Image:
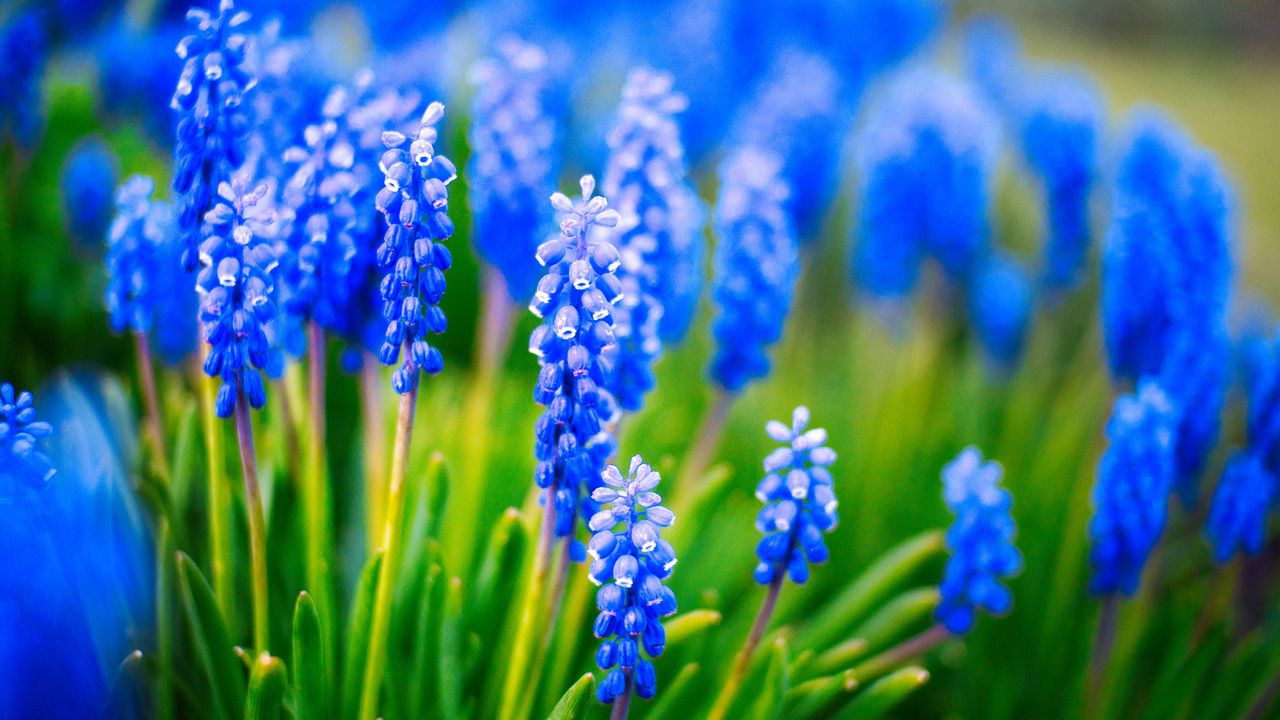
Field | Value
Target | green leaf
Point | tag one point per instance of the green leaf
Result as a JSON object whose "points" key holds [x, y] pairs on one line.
{"points": [[884, 694], [426, 638], [187, 454], [358, 636], [449, 661], [768, 702], [310, 668], [576, 700], [267, 684], [891, 622], [845, 609], [811, 697], [435, 488], [840, 656], [673, 696], [499, 571], [685, 625], [212, 641]]}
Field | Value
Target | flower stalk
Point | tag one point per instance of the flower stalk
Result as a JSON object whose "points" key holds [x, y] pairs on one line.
{"points": [[257, 522]]}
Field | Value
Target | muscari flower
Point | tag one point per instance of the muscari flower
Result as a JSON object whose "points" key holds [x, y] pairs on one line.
{"points": [[138, 232], [980, 541], [88, 179], [575, 301], [135, 72], [413, 258], [798, 112], [993, 60], [800, 501], [1238, 513], [212, 121], [756, 265], [1131, 492], [514, 161], [631, 561], [659, 237], [236, 285], [21, 458], [23, 43], [926, 159], [1166, 281], [1000, 298]]}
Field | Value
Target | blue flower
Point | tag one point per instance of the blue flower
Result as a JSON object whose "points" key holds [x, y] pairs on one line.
{"points": [[798, 111], [23, 43], [1238, 514], [212, 122], [237, 286], [799, 501], [1166, 276], [1131, 492], [630, 564], [993, 60], [136, 74], [1262, 379], [575, 302], [659, 237], [756, 265], [980, 540], [1000, 303], [21, 458], [415, 203], [88, 179], [926, 159], [514, 161]]}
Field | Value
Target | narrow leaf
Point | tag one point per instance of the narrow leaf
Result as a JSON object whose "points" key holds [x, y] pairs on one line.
{"points": [[358, 635], [768, 702], [310, 669], [687, 624], [267, 684], [884, 694], [212, 641], [576, 700]]}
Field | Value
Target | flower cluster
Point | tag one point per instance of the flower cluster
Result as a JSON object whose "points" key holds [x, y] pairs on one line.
{"points": [[575, 301], [756, 265], [800, 501], [1000, 303], [797, 111], [212, 122], [980, 540], [236, 286], [20, 433], [412, 256], [926, 157], [630, 565], [1131, 492], [658, 239], [22, 55], [1238, 514], [1166, 275], [89, 176], [514, 161]]}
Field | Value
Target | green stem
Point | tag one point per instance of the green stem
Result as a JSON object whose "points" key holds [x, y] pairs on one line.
{"points": [[316, 489], [375, 447], [532, 604], [743, 661], [703, 448], [257, 520], [151, 403], [219, 503], [375, 661]]}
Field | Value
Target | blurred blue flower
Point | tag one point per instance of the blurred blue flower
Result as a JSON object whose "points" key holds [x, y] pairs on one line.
{"points": [[1238, 513], [237, 288], [926, 159], [756, 265], [23, 44], [88, 179], [1131, 492], [992, 56], [575, 302], [1001, 297], [630, 565], [136, 74], [514, 138], [414, 201], [212, 120], [20, 435], [980, 540], [659, 237], [799, 501], [1262, 384]]}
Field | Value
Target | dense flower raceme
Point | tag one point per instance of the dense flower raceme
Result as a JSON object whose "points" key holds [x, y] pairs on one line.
{"points": [[659, 237], [630, 563], [1166, 281], [1245, 496], [237, 286], [88, 178], [800, 501], [1001, 297], [21, 459], [575, 301], [1131, 492], [756, 265], [980, 540], [22, 56], [212, 121], [798, 111], [926, 159], [413, 258], [514, 161], [146, 290]]}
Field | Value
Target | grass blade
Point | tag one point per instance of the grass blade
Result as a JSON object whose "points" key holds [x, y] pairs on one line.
{"points": [[885, 694], [310, 667], [212, 641], [267, 684], [576, 700], [358, 635]]}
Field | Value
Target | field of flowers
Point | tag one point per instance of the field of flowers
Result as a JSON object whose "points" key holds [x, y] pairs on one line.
{"points": [[697, 358]]}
